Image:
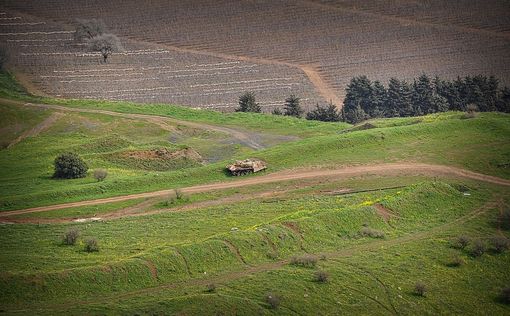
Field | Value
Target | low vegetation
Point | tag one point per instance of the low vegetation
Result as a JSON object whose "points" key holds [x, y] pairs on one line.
{"points": [[307, 261], [420, 289], [100, 174], [91, 245], [500, 244], [321, 276], [455, 262], [71, 236], [273, 300], [372, 233], [478, 248], [461, 242]]}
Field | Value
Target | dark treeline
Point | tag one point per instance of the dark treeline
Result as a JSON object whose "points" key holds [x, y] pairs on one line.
{"points": [[366, 99]]}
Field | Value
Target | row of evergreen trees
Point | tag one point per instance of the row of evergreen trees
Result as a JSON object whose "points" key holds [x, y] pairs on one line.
{"points": [[366, 99]]}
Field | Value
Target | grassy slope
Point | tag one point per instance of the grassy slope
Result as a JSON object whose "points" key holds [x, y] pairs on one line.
{"points": [[326, 224], [137, 253]]}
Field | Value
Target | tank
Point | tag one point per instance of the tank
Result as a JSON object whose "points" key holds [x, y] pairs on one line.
{"points": [[242, 167]]}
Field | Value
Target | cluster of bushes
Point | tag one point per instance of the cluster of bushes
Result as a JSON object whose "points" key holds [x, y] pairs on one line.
{"points": [[477, 247], [71, 237], [366, 99], [308, 261], [370, 232]]}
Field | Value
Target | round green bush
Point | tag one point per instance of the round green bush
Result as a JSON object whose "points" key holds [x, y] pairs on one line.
{"points": [[70, 166]]}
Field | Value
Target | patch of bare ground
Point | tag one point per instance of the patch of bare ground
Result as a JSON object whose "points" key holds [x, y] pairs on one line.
{"points": [[234, 250], [297, 231], [385, 213], [164, 153], [152, 268]]}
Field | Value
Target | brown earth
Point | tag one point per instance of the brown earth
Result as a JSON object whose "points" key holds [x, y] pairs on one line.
{"points": [[163, 153]]}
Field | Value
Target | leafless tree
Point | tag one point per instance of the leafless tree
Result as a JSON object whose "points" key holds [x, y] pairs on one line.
{"points": [[88, 29], [106, 44]]}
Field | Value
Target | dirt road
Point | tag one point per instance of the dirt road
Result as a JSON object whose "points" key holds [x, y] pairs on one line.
{"points": [[344, 172], [44, 125]]}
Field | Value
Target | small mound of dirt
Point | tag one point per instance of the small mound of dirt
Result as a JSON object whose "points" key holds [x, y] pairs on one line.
{"points": [[158, 159]]}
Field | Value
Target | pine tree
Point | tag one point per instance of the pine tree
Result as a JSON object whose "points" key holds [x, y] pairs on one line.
{"points": [[247, 103], [359, 94], [378, 99], [422, 96], [355, 115], [327, 113], [503, 104], [399, 101], [292, 107]]}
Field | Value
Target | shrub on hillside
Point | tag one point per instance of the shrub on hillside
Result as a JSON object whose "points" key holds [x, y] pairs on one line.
{"points": [[420, 289], [69, 166], [211, 287], [91, 245], [471, 111], [308, 261], [178, 194], [500, 244], [3, 59], [273, 300], [504, 296], [273, 255], [277, 111], [321, 277], [478, 248], [71, 236], [328, 113], [461, 242], [100, 174], [504, 219], [455, 262], [372, 233]]}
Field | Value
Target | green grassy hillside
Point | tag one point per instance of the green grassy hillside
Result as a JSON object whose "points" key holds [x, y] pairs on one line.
{"points": [[222, 252]]}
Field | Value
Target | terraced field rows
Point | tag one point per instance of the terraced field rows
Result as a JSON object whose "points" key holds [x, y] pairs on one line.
{"points": [[338, 39], [144, 72]]}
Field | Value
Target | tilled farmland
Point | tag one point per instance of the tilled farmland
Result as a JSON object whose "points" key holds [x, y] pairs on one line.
{"points": [[205, 54], [56, 65]]}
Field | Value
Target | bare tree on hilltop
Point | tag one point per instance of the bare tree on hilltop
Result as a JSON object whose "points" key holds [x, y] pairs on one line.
{"points": [[106, 44], [93, 33]]}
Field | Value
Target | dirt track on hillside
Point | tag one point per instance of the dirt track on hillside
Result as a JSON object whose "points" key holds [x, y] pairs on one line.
{"points": [[344, 172], [243, 137], [44, 125]]}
